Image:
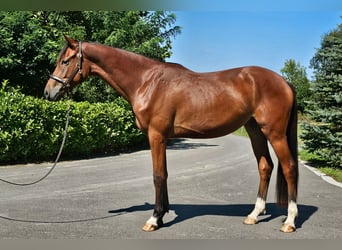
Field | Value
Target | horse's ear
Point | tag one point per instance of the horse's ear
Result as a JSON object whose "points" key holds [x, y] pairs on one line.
{"points": [[71, 42]]}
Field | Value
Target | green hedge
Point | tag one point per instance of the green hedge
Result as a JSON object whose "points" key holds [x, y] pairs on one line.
{"points": [[31, 129]]}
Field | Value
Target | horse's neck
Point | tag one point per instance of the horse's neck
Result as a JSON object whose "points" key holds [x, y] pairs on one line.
{"points": [[123, 70]]}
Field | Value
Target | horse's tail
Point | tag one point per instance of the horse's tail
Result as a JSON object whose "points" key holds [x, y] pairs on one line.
{"points": [[291, 133]]}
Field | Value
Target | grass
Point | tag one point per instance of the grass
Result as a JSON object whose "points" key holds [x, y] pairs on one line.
{"points": [[335, 173], [241, 132], [314, 161]]}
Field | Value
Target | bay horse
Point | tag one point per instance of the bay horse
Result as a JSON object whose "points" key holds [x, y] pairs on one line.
{"points": [[169, 101]]}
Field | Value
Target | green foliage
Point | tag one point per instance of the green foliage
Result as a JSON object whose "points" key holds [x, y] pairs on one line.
{"points": [[323, 134], [295, 74], [31, 41], [31, 129]]}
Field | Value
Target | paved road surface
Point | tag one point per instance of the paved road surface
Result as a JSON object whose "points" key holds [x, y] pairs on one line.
{"points": [[212, 187]]}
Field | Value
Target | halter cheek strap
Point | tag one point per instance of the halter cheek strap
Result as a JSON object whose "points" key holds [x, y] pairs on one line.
{"points": [[78, 69]]}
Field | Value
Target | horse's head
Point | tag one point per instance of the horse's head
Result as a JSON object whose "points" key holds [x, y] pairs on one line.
{"points": [[68, 73]]}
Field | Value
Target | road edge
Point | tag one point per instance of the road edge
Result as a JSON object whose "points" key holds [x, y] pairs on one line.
{"points": [[325, 177]]}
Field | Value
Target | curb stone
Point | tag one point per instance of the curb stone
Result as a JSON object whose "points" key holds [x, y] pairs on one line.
{"points": [[325, 177]]}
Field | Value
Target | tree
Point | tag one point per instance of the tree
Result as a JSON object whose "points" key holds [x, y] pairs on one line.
{"points": [[294, 73], [31, 41], [26, 47], [323, 135]]}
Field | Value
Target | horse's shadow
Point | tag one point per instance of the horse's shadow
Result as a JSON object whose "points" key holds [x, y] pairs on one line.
{"points": [[182, 144], [188, 211]]}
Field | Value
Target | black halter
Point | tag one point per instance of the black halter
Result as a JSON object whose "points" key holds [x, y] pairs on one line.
{"points": [[78, 69]]}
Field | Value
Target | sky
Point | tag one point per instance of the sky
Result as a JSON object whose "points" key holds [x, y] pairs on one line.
{"points": [[214, 40]]}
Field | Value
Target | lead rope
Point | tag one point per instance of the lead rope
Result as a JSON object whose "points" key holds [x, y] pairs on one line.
{"points": [[57, 158]]}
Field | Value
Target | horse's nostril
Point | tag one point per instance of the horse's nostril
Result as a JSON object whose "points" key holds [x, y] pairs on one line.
{"points": [[46, 94]]}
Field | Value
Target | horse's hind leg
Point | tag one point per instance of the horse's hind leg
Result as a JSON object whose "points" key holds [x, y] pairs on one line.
{"points": [[265, 166], [284, 143], [287, 179]]}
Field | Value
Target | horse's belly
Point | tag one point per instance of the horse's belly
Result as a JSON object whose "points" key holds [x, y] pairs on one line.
{"points": [[209, 127], [188, 132]]}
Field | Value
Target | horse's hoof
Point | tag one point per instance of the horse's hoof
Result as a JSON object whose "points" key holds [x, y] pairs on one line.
{"points": [[286, 228], [250, 221], [149, 227]]}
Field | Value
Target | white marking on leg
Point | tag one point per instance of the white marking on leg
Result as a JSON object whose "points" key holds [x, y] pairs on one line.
{"points": [[152, 221], [292, 213], [258, 209]]}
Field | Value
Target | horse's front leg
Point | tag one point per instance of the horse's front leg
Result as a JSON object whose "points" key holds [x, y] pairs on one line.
{"points": [[158, 150]]}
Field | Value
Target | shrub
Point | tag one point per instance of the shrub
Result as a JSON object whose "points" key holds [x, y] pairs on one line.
{"points": [[31, 129]]}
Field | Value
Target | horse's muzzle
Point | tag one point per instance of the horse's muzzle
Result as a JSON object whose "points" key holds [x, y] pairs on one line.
{"points": [[53, 94]]}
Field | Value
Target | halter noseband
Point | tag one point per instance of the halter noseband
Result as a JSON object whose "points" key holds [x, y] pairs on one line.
{"points": [[78, 69]]}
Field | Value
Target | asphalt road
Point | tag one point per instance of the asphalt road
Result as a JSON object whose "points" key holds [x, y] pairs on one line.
{"points": [[212, 187]]}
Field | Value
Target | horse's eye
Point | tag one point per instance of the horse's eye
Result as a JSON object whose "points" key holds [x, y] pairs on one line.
{"points": [[65, 62]]}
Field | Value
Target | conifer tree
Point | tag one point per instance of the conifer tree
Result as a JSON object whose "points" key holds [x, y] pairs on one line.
{"points": [[323, 133]]}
